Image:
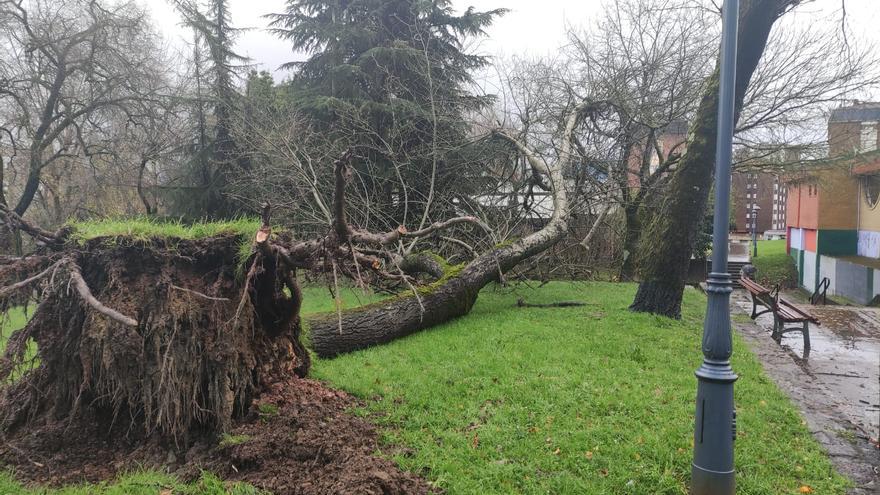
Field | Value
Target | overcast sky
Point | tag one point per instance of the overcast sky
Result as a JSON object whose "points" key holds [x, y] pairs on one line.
{"points": [[533, 27]]}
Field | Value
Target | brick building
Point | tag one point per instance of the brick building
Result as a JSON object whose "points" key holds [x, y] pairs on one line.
{"points": [[833, 217], [670, 139], [766, 190]]}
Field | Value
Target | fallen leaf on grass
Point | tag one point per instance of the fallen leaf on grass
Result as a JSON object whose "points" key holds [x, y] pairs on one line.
{"points": [[588, 454], [603, 472], [805, 489], [165, 491]]}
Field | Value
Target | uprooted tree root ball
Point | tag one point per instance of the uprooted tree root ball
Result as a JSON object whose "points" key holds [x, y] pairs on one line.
{"points": [[178, 354], [165, 336]]}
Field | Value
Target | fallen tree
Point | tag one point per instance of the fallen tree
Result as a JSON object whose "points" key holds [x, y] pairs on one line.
{"points": [[175, 336], [170, 337], [456, 292]]}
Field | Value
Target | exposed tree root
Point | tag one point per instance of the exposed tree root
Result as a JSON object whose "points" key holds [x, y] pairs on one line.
{"points": [[143, 333]]}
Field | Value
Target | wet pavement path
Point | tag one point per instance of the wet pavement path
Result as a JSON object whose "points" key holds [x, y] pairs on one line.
{"points": [[836, 384]]}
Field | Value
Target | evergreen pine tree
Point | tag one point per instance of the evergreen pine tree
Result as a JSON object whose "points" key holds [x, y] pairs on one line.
{"points": [[216, 155], [397, 72]]}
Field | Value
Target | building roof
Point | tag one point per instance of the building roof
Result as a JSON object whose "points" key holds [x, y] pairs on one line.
{"points": [[859, 112], [868, 166]]}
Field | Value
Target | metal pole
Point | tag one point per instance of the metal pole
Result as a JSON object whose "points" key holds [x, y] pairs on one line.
{"points": [[755, 233], [712, 471]]}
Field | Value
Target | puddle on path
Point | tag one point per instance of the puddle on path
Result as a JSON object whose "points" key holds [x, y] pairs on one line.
{"points": [[844, 358]]}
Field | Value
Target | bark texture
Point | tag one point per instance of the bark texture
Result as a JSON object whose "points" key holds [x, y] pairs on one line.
{"points": [[442, 301], [666, 245]]}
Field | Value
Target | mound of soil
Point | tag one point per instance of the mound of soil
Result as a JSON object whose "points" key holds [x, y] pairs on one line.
{"points": [[296, 438]]}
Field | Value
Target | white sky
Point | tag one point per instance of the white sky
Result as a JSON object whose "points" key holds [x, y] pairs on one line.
{"points": [[532, 27]]}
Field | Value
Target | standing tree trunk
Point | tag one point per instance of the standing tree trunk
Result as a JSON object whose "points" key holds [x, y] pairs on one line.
{"points": [[668, 241], [632, 231]]}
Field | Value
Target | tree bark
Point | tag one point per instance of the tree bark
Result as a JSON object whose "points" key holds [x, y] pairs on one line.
{"points": [[385, 321], [667, 244], [632, 231]]}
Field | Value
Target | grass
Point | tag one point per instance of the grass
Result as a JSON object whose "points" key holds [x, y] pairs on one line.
{"points": [[13, 320], [227, 440], [578, 400], [136, 483], [145, 228], [593, 400], [774, 265]]}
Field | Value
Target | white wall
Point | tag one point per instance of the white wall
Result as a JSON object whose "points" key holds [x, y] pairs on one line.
{"points": [[827, 267], [797, 238], [809, 270], [869, 244]]}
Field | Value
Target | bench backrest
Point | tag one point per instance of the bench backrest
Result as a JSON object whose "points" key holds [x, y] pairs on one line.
{"points": [[753, 286]]}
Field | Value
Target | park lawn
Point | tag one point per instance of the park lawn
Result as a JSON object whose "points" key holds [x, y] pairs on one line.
{"points": [[591, 399], [774, 265]]}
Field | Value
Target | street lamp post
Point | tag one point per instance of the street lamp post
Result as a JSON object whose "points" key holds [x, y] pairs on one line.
{"points": [[712, 471], [755, 210]]}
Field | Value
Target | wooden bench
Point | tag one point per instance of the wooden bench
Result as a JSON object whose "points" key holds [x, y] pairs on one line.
{"points": [[784, 312]]}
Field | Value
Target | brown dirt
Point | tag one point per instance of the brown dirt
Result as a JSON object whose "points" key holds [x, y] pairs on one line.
{"points": [[297, 438]]}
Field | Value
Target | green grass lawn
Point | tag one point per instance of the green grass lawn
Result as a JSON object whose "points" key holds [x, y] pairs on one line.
{"points": [[774, 265], [592, 399], [576, 400]]}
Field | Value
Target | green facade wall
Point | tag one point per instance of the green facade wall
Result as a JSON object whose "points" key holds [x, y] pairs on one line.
{"points": [[837, 242]]}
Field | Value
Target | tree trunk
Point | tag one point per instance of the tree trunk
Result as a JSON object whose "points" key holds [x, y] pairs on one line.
{"points": [[667, 244], [454, 295], [632, 230], [440, 302]]}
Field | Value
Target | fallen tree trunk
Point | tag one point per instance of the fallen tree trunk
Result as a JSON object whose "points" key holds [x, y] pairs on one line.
{"points": [[455, 294], [444, 300]]}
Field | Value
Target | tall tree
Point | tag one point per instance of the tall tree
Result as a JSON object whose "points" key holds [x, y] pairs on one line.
{"points": [[671, 235], [646, 61], [392, 77], [66, 66], [217, 155]]}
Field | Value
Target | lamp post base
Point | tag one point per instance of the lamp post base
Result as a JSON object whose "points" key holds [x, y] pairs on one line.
{"points": [[705, 482]]}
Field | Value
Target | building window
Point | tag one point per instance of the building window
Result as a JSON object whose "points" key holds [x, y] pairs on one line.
{"points": [[869, 136], [871, 186]]}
